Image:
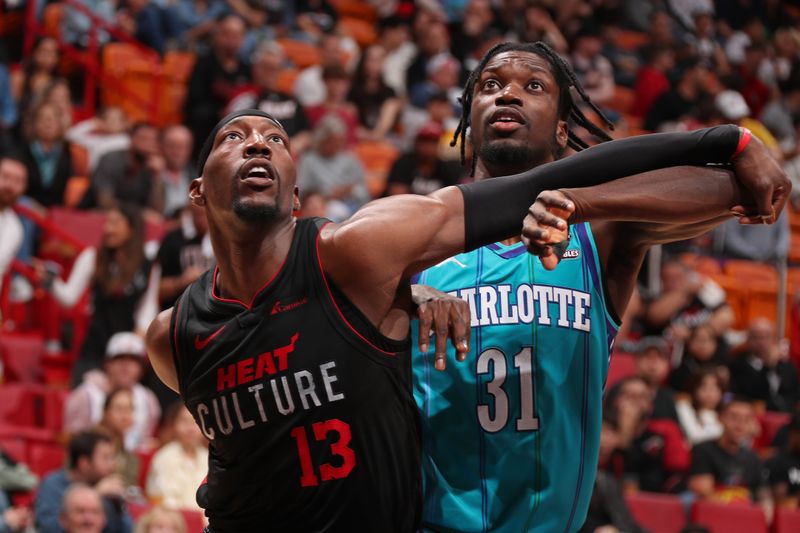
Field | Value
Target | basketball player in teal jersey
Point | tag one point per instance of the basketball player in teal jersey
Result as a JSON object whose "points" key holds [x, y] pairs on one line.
{"points": [[510, 439]]}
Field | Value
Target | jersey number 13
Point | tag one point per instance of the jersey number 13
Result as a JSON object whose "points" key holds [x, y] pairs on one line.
{"points": [[494, 422]]}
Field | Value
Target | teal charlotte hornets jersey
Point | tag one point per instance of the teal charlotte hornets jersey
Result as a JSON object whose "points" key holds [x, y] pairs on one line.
{"points": [[511, 435]]}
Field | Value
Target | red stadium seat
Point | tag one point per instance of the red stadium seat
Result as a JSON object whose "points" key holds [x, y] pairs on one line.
{"points": [[45, 458], [53, 405], [722, 518], [137, 510], [770, 422], [22, 357], [86, 226], [658, 513], [145, 458], [18, 405], [786, 521], [623, 365], [16, 448]]}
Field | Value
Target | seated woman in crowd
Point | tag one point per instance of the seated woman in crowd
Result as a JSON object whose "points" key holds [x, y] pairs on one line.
{"points": [[701, 351], [180, 465], [378, 106], [116, 422], [698, 413], [38, 71]]}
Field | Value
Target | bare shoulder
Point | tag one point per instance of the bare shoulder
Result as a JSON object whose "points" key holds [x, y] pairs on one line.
{"points": [[159, 349]]}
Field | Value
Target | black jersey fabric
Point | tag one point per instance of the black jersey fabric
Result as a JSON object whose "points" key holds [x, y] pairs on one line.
{"points": [[308, 408]]}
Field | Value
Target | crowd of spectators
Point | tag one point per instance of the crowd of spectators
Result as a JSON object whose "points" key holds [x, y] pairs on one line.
{"points": [[684, 422]]}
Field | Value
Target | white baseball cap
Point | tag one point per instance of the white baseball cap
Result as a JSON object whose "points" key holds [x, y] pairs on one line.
{"points": [[732, 105], [125, 343]]}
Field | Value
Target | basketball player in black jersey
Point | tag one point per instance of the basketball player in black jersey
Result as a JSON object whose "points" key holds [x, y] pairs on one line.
{"points": [[292, 353]]}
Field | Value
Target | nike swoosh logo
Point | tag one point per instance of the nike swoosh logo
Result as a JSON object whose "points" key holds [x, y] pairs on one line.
{"points": [[199, 345]]}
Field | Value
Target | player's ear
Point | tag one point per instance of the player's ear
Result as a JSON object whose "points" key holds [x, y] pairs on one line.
{"points": [[561, 134], [197, 192], [296, 201]]}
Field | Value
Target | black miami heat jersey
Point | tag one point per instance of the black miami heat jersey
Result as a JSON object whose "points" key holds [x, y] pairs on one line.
{"points": [[307, 408]]}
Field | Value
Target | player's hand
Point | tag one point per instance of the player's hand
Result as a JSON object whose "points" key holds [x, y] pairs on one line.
{"points": [[547, 223], [446, 316], [765, 180]]}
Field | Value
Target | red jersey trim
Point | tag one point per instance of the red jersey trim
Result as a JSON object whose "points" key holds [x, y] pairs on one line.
{"points": [[176, 347], [335, 305], [259, 291]]}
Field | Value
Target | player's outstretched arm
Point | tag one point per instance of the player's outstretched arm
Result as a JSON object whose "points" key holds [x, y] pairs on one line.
{"points": [[159, 349]]}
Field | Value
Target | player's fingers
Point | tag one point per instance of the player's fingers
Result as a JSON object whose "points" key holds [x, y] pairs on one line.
{"points": [[459, 323], [763, 197], [780, 196], [425, 319], [441, 325]]}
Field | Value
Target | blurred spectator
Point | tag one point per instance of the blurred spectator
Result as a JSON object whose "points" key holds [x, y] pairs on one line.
{"points": [[130, 175], [395, 38], [47, 156], [653, 365], [309, 87], [265, 95], [733, 107], [100, 135], [178, 170], [59, 94], [651, 455], [313, 204], [123, 296], [778, 67], [337, 85], [686, 300], [439, 110], [161, 520], [592, 69], [752, 32], [264, 19], [8, 110], [217, 75], [779, 116], [761, 373], [756, 93], [685, 10], [660, 31], [37, 72], [148, 23], [117, 421], [195, 19], [651, 80], [540, 26], [377, 104], [608, 512], [698, 413], [469, 33], [762, 243], [422, 171], [14, 519], [122, 369], [726, 469], [432, 39], [702, 351], [680, 100], [705, 44], [13, 181], [329, 168], [179, 466], [76, 27], [91, 460], [315, 18], [784, 469], [82, 510], [442, 76], [184, 255]]}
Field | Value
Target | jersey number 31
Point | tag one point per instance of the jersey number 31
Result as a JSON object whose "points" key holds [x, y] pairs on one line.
{"points": [[492, 423]]}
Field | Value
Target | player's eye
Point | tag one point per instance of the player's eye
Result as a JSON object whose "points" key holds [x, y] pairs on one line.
{"points": [[536, 85], [490, 84], [233, 135], [276, 139]]}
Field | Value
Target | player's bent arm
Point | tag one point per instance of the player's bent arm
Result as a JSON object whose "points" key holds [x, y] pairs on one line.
{"points": [[159, 349]]}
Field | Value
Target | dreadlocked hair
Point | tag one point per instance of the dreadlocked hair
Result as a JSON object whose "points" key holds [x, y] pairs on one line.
{"points": [[567, 108]]}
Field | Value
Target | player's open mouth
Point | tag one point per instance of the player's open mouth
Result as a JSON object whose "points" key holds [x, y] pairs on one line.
{"points": [[507, 119], [258, 175]]}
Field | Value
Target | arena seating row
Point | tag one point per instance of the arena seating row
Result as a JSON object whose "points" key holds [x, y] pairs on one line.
{"points": [[664, 513]]}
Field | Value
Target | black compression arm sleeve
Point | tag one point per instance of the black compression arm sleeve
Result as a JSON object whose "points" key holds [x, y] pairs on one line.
{"points": [[494, 208]]}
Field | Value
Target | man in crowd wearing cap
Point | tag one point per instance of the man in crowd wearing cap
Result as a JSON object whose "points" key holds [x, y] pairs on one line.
{"points": [[123, 367], [653, 365], [91, 461], [422, 171]]}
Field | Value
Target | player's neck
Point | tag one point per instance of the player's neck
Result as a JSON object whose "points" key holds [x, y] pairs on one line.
{"points": [[247, 259]]}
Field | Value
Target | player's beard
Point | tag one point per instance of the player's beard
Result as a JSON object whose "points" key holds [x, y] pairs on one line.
{"points": [[250, 212], [517, 156]]}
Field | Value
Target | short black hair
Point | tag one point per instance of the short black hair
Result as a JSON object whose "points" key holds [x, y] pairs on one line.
{"points": [[567, 108], [14, 155], [83, 444]]}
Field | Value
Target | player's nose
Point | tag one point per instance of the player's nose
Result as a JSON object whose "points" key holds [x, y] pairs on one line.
{"points": [[509, 95], [256, 146]]}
